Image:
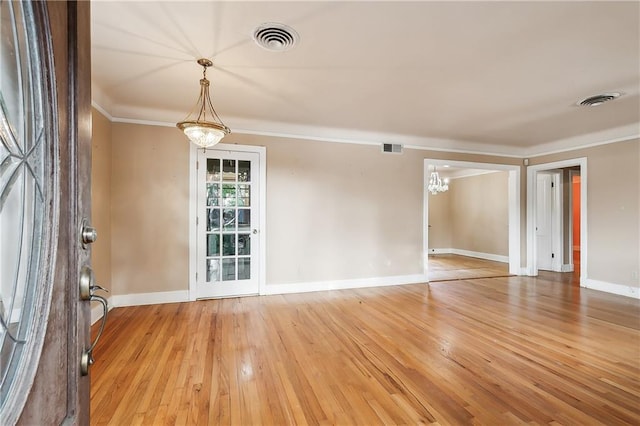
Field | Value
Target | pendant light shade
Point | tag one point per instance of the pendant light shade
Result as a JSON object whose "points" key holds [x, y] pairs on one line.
{"points": [[204, 128]]}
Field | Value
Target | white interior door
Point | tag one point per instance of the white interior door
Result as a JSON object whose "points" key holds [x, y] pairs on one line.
{"points": [[546, 225], [227, 227], [543, 221]]}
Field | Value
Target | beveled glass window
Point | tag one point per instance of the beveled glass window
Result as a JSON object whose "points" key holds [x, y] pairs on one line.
{"points": [[28, 155]]}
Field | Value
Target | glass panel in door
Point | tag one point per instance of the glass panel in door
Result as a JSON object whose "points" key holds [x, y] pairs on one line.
{"points": [[228, 252]]}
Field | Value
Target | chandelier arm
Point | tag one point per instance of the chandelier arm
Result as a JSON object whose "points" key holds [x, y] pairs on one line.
{"points": [[214, 115], [202, 100]]}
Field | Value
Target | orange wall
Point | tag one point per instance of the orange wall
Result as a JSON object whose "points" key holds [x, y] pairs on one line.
{"points": [[576, 211]]}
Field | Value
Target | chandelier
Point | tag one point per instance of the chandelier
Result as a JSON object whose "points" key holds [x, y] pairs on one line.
{"points": [[436, 184], [204, 129]]}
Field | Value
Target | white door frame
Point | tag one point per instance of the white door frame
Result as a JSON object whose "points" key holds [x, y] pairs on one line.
{"points": [[532, 181], [193, 211], [514, 208]]}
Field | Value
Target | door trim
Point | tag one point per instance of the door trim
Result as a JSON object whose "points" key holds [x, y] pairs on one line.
{"points": [[514, 207], [193, 211], [532, 180]]}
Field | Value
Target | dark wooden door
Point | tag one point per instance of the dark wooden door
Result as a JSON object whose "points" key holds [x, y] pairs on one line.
{"points": [[48, 164]]}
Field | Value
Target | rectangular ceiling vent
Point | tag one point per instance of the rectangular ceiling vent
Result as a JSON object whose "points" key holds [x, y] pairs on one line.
{"points": [[393, 148]]}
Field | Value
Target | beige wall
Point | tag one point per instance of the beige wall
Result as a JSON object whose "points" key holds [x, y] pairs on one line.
{"points": [[150, 206], [340, 211], [613, 210], [334, 211], [101, 198], [440, 220], [480, 213], [470, 217]]}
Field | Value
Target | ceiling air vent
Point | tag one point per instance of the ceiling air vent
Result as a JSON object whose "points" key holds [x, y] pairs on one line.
{"points": [[275, 37], [598, 99], [393, 148]]}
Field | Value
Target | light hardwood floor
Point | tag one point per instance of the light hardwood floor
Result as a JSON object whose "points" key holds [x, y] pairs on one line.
{"points": [[447, 267], [486, 351]]}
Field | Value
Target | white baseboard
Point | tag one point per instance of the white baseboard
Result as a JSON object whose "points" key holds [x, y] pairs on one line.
{"points": [[566, 268], [524, 271], [156, 298], [439, 251], [622, 290], [479, 255], [139, 299], [306, 287], [476, 254]]}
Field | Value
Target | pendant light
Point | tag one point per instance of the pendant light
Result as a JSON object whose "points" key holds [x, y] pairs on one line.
{"points": [[204, 129], [436, 184]]}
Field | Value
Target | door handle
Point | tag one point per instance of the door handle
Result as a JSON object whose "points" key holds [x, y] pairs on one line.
{"points": [[87, 360], [88, 288]]}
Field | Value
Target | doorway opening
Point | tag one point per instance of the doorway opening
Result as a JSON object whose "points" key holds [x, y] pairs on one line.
{"points": [[570, 213], [451, 262]]}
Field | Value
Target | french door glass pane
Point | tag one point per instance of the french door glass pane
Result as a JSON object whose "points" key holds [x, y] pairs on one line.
{"points": [[213, 270], [244, 244], [228, 239], [244, 268], [213, 245], [229, 170], [228, 195], [228, 269], [213, 170], [229, 217], [244, 219], [229, 245], [244, 171], [213, 220], [244, 195], [213, 194]]}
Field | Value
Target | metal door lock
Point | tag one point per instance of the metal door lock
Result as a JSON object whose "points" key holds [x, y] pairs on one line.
{"points": [[88, 234]]}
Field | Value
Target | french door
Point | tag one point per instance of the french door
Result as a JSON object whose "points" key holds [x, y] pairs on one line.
{"points": [[227, 224]]}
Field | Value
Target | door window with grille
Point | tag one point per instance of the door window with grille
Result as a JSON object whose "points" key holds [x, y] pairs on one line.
{"points": [[228, 216]]}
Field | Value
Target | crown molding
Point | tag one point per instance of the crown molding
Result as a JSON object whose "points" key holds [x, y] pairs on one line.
{"points": [[605, 137], [358, 137]]}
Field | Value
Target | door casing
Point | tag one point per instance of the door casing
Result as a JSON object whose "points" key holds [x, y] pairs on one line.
{"points": [[514, 207], [532, 176]]}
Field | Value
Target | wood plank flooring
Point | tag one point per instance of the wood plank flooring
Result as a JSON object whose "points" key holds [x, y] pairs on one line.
{"points": [[447, 267], [499, 351]]}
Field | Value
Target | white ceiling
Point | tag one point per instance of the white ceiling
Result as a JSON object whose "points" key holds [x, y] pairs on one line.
{"points": [[498, 77]]}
